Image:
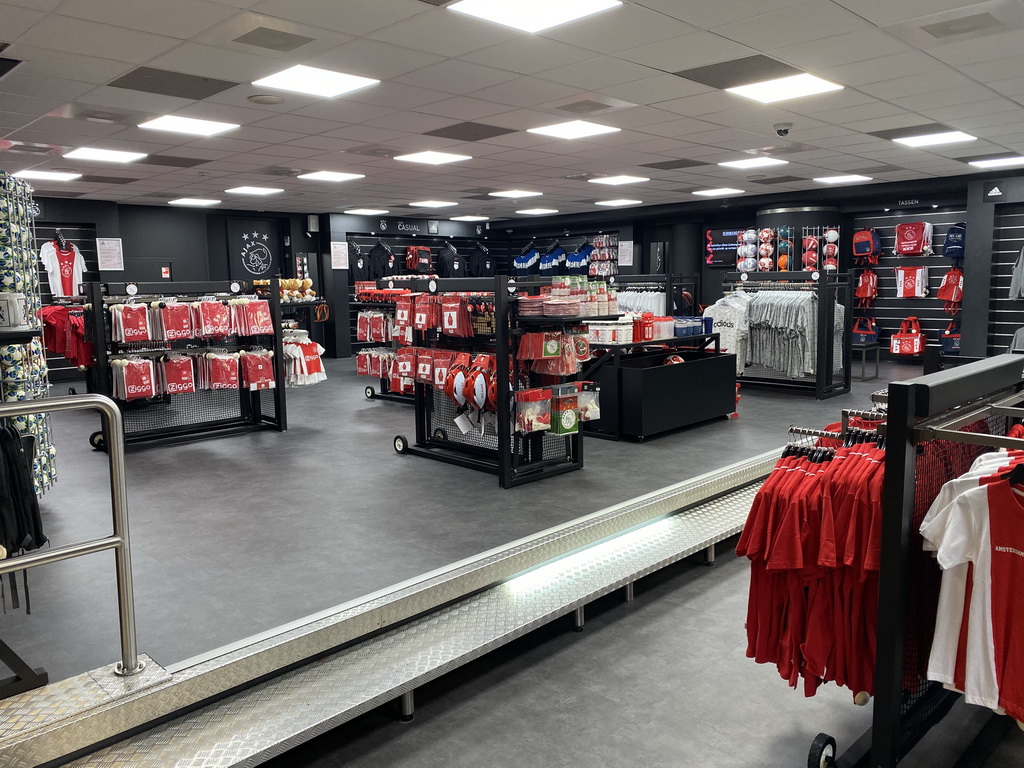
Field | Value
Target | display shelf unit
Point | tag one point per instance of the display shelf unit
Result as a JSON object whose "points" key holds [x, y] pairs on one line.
{"points": [[681, 291], [831, 376], [384, 393], [193, 416], [514, 458], [932, 423], [641, 397]]}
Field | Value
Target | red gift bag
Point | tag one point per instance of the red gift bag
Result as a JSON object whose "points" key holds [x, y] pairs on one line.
{"points": [[910, 340]]}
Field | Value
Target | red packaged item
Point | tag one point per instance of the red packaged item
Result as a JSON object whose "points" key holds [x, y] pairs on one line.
{"points": [[212, 320], [177, 376], [177, 321], [311, 358], [442, 361], [132, 320], [407, 362], [425, 366], [258, 317], [363, 326], [380, 329], [258, 371], [223, 370], [533, 410], [377, 366], [403, 311], [138, 379], [363, 363], [455, 319]]}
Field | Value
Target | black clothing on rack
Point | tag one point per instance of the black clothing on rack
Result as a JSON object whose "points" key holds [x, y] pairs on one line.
{"points": [[481, 263], [358, 263], [451, 263]]}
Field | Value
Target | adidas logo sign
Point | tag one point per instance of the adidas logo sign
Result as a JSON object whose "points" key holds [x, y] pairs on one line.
{"points": [[995, 192]]}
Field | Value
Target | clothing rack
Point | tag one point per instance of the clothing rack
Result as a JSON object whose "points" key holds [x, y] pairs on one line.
{"points": [[676, 287], [189, 416], [937, 408], [832, 345]]}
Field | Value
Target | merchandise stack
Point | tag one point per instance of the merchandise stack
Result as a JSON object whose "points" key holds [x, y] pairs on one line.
{"points": [[23, 368]]}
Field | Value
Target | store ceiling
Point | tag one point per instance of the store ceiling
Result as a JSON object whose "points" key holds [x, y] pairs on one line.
{"points": [[459, 84]]}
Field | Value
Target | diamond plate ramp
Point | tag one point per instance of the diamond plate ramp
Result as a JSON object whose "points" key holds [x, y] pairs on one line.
{"points": [[266, 720]]}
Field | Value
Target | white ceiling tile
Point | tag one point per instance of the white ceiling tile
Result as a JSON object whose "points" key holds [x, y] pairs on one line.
{"points": [[39, 5], [204, 60], [884, 12], [997, 69], [31, 105], [713, 14], [444, 33], [939, 77], [987, 48], [977, 124], [693, 50], [463, 108], [414, 122], [528, 55], [804, 22], [395, 96], [68, 66], [652, 90], [225, 34], [181, 19], [298, 124], [91, 39], [970, 109], [17, 21], [353, 17], [325, 143], [370, 58], [286, 150], [597, 73], [704, 103], [525, 92], [619, 29], [365, 135], [453, 76], [15, 120], [829, 52], [264, 135], [880, 69], [946, 97], [134, 101], [25, 84], [77, 127], [344, 111]]}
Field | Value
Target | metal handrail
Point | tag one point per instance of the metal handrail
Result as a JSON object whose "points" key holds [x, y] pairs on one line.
{"points": [[119, 541]]}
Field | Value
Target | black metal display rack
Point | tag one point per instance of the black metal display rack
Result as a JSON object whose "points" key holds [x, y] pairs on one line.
{"points": [[832, 368], [196, 415], [931, 424], [515, 458], [384, 393]]}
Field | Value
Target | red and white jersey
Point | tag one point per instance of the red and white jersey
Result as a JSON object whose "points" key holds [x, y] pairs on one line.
{"points": [[981, 529], [65, 268], [914, 239], [911, 282], [177, 376]]}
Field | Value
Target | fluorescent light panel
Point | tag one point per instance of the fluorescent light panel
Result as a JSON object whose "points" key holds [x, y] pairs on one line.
{"points": [[433, 204], [849, 179], [996, 162], [532, 15], [618, 180], [253, 191], [196, 201], [315, 81], [515, 194], [104, 155], [433, 158], [537, 211], [367, 211], [783, 88], [470, 218], [934, 139], [189, 125], [47, 175], [754, 162], [618, 203], [721, 192], [574, 129], [330, 176]]}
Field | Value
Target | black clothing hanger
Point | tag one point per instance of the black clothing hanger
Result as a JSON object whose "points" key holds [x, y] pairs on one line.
{"points": [[61, 240], [527, 249], [551, 248]]}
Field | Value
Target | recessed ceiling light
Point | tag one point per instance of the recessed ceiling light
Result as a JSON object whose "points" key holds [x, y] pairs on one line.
{"points": [[106, 155], [537, 211], [721, 192], [933, 139], [574, 129], [197, 201], [998, 162], [314, 81], [792, 87], [842, 179], [254, 191], [617, 180], [189, 125], [515, 194], [433, 158], [433, 204], [618, 203], [330, 176], [367, 211], [47, 175], [755, 162], [532, 15], [470, 218]]}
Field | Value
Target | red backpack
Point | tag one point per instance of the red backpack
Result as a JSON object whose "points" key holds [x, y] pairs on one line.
{"points": [[952, 290], [867, 246], [867, 288]]}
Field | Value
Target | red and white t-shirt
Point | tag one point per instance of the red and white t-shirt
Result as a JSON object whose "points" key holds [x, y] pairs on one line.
{"points": [[65, 268], [911, 282], [982, 528]]}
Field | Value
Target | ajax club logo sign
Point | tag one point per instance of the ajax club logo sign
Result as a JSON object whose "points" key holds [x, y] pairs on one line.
{"points": [[256, 256]]}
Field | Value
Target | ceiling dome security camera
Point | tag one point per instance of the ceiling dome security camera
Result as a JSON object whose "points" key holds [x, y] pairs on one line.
{"points": [[783, 129]]}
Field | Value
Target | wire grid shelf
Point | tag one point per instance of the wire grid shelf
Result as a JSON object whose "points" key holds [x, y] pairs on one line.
{"points": [[185, 410]]}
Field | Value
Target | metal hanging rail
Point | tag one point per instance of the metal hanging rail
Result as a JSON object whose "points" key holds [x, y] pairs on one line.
{"points": [[118, 541]]}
